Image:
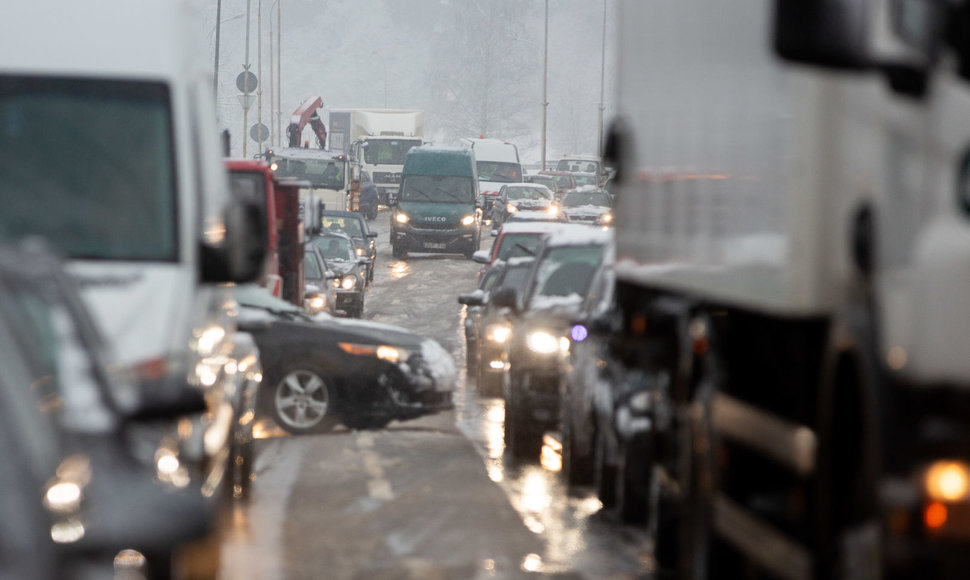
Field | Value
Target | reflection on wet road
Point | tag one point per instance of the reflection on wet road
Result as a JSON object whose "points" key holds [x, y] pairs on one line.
{"points": [[431, 498]]}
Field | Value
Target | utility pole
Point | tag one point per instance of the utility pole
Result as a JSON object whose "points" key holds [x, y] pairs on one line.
{"points": [[279, 77], [599, 141], [259, 73], [245, 137], [272, 126], [545, 75], [215, 76]]}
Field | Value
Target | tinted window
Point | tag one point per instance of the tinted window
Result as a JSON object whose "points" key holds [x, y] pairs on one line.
{"points": [[514, 245], [437, 188]]}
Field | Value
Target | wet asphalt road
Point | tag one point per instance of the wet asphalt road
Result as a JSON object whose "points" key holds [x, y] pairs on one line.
{"points": [[427, 499]]}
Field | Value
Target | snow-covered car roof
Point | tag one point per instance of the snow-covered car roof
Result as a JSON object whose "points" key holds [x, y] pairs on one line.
{"points": [[579, 235], [533, 227]]}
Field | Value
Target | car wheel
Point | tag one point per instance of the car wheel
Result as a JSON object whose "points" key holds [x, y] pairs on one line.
{"points": [[303, 400], [604, 474], [521, 438], [370, 272], [398, 251], [576, 467]]}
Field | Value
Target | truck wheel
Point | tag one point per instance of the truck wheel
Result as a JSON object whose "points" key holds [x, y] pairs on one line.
{"points": [[577, 468], [633, 480]]}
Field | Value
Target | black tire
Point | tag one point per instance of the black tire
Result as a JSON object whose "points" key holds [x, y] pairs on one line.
{"points": [[289, 406], [522, 439], [398, 251], [604, 474], [370, 271], [358, 312], [577, 468], [633, 480]]}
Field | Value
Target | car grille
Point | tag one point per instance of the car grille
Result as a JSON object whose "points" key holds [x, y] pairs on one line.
{"points": [[387, 177], [582, 218]]}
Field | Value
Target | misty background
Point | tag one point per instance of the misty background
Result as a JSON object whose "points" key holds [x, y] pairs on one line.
{"points": [[473, 66]]}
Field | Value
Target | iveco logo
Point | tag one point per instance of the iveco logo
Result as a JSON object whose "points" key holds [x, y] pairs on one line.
{"points": [[435, 219]]}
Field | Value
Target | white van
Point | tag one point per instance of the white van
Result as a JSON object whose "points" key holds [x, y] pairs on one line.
{"points": [[497, 163], [110, 151]]}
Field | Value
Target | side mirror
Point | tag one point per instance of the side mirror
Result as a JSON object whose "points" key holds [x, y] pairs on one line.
{"points": [[168, 401], [505, 298], [240, 255], [363, 260], [494, 233], [312, 289], [482, 257], [830, 33], [371, 234], [330, 275], [476, 298]]}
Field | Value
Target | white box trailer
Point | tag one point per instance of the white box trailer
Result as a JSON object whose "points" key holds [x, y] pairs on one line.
{"points": [[795, 240], [378, 140]]}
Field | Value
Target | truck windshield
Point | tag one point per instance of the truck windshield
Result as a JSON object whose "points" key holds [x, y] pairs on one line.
{"points": [[578, 165], [437, 188], [88, 165], [321, 173], [388, 151], [500, 172]]}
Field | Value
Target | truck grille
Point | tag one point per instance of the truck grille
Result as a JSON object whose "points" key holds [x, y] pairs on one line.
{"points": [[387, 177]]}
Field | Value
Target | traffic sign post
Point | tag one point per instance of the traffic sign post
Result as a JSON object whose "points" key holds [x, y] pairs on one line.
{"points": [[259, 132]]}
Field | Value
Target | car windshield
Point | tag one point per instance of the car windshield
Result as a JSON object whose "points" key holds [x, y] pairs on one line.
{"points": [[499, 172], [321, 173], [538, 193], [388, 151], [437, 189], [88, 165], [578, 165], [350, 226], [566, 271], [333, 248], [514, 245], [578, 198], [584, 179]]}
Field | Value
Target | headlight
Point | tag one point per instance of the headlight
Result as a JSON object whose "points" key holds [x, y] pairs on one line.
{"points": [[63, 497], [544, 342], [402, 218], [317, 302], [209, 339], [553, 209], [606, 218], [274, 166], [498, 333], [511, 208], [391, 354], [336, 282], [360, 252], [948, 481], [348, 282], [468, 220]]}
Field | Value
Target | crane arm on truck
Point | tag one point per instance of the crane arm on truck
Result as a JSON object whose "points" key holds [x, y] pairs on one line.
{"points": [[307, 113]]}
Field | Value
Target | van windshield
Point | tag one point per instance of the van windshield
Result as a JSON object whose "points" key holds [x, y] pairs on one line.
{"points": [[88, 165], [437, 189], [499, 172]]}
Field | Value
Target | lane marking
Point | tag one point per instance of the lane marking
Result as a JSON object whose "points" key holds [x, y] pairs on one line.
{"points": [[378, 487]]}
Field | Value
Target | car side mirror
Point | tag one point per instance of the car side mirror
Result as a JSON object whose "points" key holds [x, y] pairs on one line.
{"points": [[476, 298], [363, 260], [371, 234], [505, 298], [240, 255], [482, 257]]}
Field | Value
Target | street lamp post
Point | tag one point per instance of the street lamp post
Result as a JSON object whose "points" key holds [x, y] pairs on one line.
{"points": [[599, 141], [245, 137], [545, 76]]}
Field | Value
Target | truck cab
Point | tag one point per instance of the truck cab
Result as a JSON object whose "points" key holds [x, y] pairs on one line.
{"points": [[437, 207], [328, 174], [497, 163]]}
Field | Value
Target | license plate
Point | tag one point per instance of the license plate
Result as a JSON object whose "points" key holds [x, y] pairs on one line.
{"points": [[434, 246]]}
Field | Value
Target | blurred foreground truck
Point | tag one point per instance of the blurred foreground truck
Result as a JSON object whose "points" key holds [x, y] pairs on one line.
{"points": [[793, 253], [378, 139]]}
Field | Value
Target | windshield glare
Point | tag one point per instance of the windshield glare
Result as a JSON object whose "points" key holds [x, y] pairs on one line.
{"points": [[106, 143], [576, 199], [437, 189]]}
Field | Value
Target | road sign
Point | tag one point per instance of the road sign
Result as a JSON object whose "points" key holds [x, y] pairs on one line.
{"points": [[259, 132], [246, 101], [241, 81]]}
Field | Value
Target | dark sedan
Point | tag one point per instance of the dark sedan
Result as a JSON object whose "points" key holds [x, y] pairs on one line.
{"points": [[349, 271], [322, 371], [352, 225]]}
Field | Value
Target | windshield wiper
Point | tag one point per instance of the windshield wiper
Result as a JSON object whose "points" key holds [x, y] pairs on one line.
{"points": [[449, 194], [524, 249], [418, 191]]}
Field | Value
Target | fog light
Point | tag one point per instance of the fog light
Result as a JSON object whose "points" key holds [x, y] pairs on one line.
{"points": [[934, 516], [497, 365]]}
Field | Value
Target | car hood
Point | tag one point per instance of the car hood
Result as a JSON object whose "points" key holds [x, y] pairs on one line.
{"points": [[586, 210], [527, 204], [342, 268]]}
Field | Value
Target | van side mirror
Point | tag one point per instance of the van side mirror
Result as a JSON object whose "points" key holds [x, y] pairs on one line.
{"points": [[476, 298], [241, 255], [828, 33]]}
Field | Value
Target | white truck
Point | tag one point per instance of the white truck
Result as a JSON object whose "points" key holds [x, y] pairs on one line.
{"points": [[378, 140], [793, 254], [132, 192], [498, 163]]}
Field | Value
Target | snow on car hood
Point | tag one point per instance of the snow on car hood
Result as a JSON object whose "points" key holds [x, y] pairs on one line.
{"points": [[586, 210], [441, 364]]}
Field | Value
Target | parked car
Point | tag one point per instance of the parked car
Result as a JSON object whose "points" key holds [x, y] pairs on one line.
{"points": [[321, 371], [539, 344], [588, 205], [516, 197], [487, 328], [353, 225], [349, 271], [110, 490], [321, 295], [368, 196]]}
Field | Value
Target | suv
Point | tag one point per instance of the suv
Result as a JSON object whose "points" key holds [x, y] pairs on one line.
{"points": [[437, 209]]}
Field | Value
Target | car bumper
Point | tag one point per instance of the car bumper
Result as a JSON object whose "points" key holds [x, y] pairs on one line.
{"points": [[348, 300], [448, 241]]}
